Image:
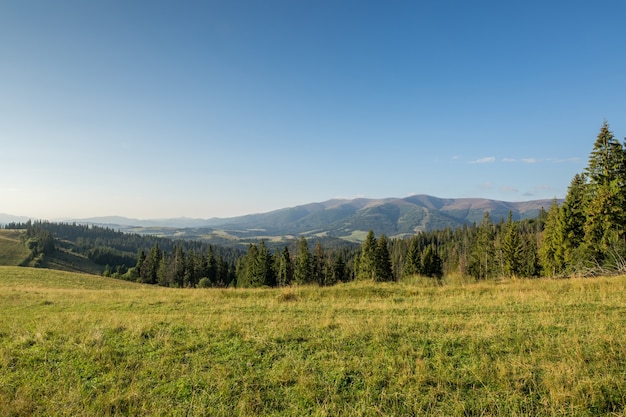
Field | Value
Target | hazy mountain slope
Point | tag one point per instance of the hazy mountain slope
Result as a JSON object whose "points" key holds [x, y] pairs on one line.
{"points": [[392, 216], [8, 218], [339, 218]]}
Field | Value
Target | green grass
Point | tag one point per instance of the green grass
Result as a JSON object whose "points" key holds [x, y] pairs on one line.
{"points": [[12, 251], [74, 344]]}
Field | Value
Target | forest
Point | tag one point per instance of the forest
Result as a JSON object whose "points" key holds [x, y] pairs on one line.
{"points": [[582, 236]]}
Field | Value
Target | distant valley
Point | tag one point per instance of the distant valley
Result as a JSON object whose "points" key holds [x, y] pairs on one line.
{"points": [[344, 219]]}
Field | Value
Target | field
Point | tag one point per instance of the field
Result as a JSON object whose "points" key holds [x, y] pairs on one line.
{"points": [[80, 345]]}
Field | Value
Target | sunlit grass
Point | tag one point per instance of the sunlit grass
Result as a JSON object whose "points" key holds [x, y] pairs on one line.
{"points": [[82, 345]]}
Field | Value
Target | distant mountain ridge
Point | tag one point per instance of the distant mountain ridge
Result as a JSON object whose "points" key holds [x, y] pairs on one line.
{"points": [[8, 218], [347, 219]]}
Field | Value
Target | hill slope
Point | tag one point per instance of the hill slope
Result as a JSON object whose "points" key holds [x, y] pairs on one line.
{"points": [[12, 251], [347, 219], [18, 277], [392, 216]]}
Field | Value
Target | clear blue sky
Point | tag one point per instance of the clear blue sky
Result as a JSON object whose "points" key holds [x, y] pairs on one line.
{"points": [[154, 109]]}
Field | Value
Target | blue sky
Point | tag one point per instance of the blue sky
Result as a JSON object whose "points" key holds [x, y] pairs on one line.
{"points": [[154, 109]]}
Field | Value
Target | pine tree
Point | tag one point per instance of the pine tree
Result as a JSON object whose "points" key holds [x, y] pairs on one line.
{"points": [[367, 258], [531, 266], [573, 217], [413, 262], [551, 249], [339, 271], [319, 264], [266, 264], [482, 262], [191, 269], [211, 272], [135, 273], [382, 265], [302, 270], [283, 267], [249, 272], [606, 161], [179, 265], [511, 248], [162, 273], [150, 266], [605, 224], [432, 264]]}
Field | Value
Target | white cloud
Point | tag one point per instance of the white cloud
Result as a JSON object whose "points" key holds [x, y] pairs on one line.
{"points": [[529, 160], [486, 160]]}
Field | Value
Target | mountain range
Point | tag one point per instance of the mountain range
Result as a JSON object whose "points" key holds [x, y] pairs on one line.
{"points": [[346, 219]]}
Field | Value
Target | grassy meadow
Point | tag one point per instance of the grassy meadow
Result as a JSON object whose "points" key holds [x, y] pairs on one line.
{"points": [[81, 345]]}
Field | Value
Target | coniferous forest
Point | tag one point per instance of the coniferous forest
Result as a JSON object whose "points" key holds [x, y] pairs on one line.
{"points": [[583, 235]]}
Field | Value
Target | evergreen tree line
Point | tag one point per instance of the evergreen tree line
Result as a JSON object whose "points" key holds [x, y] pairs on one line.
{"points": [[482, 251], [261, 267], [180, 268]]}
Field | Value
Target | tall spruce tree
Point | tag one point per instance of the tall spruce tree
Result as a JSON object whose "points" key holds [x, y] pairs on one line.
{"points": [[302, 269], [413, 261], [339, 272], [179, 266], [367, 258], [319, 264], [432, 264], [211, 271], [511, 248], [249, 272], [266, 265], [382, 263], [482, 261], [150, 266], [605, 224], [551, 249], [283, 267], [573, 214]]}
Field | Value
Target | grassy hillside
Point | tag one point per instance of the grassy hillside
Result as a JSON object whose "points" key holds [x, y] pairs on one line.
{"points": [[65, 260], [19, 279], [74, 344], [12, 251]]}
